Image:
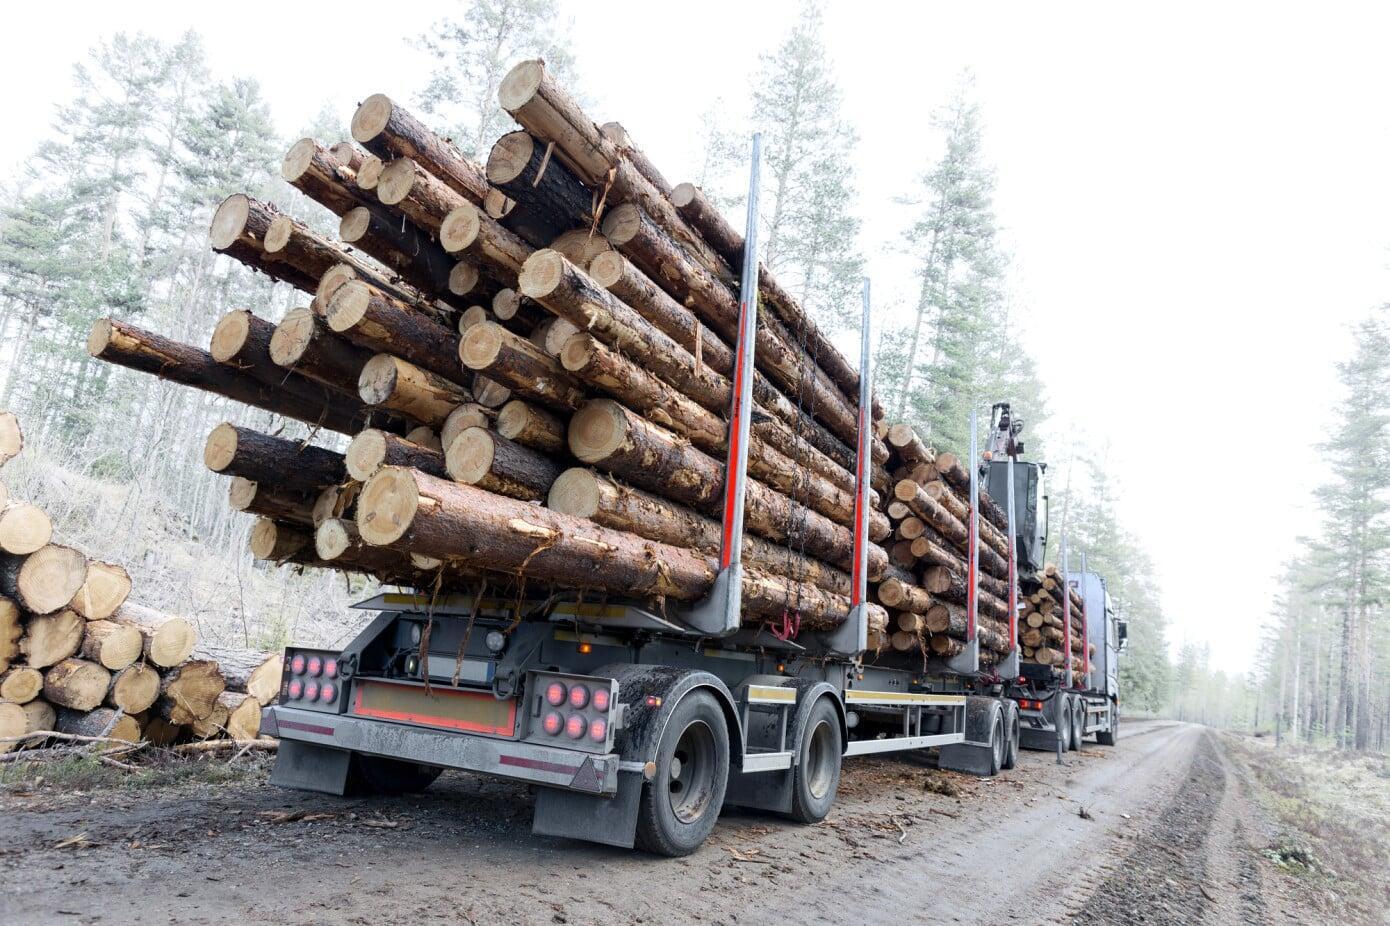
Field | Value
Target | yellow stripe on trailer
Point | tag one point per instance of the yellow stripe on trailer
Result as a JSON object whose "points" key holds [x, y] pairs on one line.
{"points": [[771, 694], [860, 696]]}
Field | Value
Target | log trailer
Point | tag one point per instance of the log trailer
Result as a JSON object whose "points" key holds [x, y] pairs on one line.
{"points": [[638, 723]]}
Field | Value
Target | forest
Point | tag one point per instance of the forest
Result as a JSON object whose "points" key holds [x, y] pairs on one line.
{"points": [[110, 217]]}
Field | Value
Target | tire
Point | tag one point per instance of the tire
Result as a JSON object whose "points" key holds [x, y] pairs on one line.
{"points": [[379, 775], [816, 777], [1078, 723], [681, 804], [1108, 737], [1062, 717], [998, 743], [1011, 727]]}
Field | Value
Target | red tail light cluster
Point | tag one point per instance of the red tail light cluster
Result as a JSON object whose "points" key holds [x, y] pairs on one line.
{"points": [[307, 680], [1028, 705], [577, 711]]}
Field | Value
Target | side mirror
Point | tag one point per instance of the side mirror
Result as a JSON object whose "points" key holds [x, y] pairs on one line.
{"points": [[1122, 633]]}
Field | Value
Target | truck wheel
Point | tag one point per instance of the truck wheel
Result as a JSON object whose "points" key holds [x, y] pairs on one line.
{"points": [[681, 803], [998, 743], [1108, 736], [1062, 720], [817, 774], [1078, 723], [379, 775], [1011, 728]]}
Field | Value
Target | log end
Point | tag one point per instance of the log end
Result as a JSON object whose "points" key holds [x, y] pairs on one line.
{"points": [[396, 180], [332, 538], [298, 159], [334, 277], [480, 345], [229, 221], [541, 273], [521, 85], [377, 382], [348, 305], [460, 228], [622, 224], [509, 157], [506, 303], [366, 454], [387, 506], [578, 351], [575, 492], [683, 194], [469, 457], [497, 204], [607, 268], [107, 587], [905, 490], [597, 430], [370, 172], [230, 334], [490, 393], [241, 494], [98, 339], [371, 117], [220, 448], [50, 578], [463, 278], [352, 227], [424, 436], [24, 528], [292, 336]]}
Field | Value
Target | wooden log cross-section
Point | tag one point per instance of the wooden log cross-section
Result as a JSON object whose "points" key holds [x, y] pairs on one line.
{"points": [[11, 437], [44, 581], [236, 451], [24, 528]]}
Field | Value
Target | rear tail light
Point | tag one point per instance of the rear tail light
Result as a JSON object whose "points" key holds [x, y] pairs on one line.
{"points": [[555, 694], [579, 697], [328, 692], [297, 665], [296, 689], [598, 730], [575, 727], [330, 668], [601, 700], [315, 665], [553, 723], [311, 691]]}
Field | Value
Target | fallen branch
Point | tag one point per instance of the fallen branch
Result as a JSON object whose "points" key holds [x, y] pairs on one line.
{"points": [[265, 743]]}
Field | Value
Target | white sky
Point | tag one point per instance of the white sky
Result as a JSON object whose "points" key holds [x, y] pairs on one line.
{"points": [[1196, 195]]}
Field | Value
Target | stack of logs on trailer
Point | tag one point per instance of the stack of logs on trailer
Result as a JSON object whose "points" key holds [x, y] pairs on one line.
{"points": [[530, 363], [1042, 634], [78, 658]]}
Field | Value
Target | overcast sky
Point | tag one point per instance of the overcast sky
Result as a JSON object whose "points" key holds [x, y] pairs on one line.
{"points": [[1196, 196]]}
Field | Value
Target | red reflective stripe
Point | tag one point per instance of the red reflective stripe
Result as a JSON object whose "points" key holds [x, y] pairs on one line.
{"points": [[304, 727], [539, 765]]}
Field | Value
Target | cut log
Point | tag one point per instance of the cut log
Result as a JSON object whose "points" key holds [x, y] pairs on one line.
{"points": [[489, 393], [473, 315], [106, 722], [584, 494], [388, 130], [911, 450], [465, 524], [464, 279], [20, 684], [46, 580], [373, 449], [425, 436], [469, 233], [243, 714], [189, 690], [257, 674], [465, 416], [425, 200], [237, 451], [581, 245], [422, 396], [527, 173], [270, 501], [960, 509], [39, 716], [897, 594], [111, 644], [334, 502], [370, 172], [13, 723], [615, 133], [303, 343], [374, 320], [157, 731], [278, 543], [315, 171], [133, 689], [76, 684], [348, 155], [212, 726], [238, 229], [168, 640], [509, 305], [11, 437], [24, 528], [128, 346], [408, 251], [531, 426], [482, 458], [605, 434], [102, 594], [515, 362]]}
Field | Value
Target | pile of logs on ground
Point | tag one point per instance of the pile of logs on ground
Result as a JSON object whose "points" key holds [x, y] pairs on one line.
{"points": [[78, 658], [520, 373]]}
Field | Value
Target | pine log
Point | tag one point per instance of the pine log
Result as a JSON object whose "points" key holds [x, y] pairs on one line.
{"points": [[531, 426], [105, 722], [270, 500], [168, 640], [374, 320], [214, 725], [44, 581], [20, 684], [482, 458], [304, 344], [465, 524], [238, 229], [425, 200], [111, 644], [489, 393], [243, 715], [584, 494], [373, 449], [348, 155], [337, 541], [157, 731], [128, 346], [951, 528], [581, 246], [76, 683], [424, 397], [937, 579], [510, 306], [10, 632], [257, 674], [465, 416], [408, 251], [242, 341], [903, 438], [424, 436], [333, 502], [515, 362], [189, 690], [530, 225], [960, 509], [471, 234], [388, 130], [605, 434], [318, 173], [11, 437], [527, 173], [133, 689], [473, 315], [13, 723], [278, 543], [237, 451], [706, 218], [106, 588], [622, 141], [24, 528], [897, 594], [370, 172]]}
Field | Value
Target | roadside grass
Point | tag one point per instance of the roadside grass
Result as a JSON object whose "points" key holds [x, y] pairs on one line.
{"points": [[163, 770], [1333, 810]]}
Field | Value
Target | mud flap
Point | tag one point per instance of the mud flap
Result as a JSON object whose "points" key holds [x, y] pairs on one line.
{"points": [[611, 821], [307, 767], [975, 755], [769, 791]]}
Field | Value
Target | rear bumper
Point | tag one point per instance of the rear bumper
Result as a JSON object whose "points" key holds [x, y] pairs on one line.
{"points": [[543, 765]]}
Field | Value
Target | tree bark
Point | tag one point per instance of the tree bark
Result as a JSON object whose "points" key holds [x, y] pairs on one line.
{"points": [[388, 130], [374, 320], [278, 543], [424, 397], [241, 340], [238, 451], [408, 251], [515, 362], [188, 692], [76, 684], [104, 721], [373, 449], [482, 458], [271, 500]]}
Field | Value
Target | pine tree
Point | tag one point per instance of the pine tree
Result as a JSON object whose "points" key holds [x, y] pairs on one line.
{"points": [[811, 236], [474, 51]]}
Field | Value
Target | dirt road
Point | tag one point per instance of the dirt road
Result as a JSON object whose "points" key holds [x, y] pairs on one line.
{"points": [[1169, 835]]}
